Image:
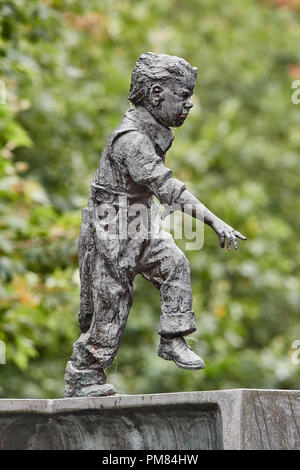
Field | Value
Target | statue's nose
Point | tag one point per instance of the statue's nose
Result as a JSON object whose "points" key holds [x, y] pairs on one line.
{"points": [[188, 105]]}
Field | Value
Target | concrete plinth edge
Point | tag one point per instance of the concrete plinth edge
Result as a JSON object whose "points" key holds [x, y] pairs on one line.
{"points": [[221, 419]]}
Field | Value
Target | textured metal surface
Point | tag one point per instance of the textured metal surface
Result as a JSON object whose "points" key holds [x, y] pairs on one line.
{"points": [[119, 240], [131, 167]]}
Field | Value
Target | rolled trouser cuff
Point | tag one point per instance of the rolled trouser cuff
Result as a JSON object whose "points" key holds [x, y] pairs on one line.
{"points": [[177, 324], [86, 382], [84, 377]]}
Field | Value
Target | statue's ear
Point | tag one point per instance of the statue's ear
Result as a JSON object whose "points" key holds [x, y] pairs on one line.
{"points": [[155, 95]]}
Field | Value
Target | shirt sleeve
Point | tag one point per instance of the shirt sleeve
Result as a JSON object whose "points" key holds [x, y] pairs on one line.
{"points": [[147, 168]]}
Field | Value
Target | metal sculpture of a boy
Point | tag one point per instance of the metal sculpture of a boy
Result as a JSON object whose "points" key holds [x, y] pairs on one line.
{"points": [[131, 171]]}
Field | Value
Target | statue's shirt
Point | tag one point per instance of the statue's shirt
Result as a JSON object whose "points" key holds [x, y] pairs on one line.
{"points": [[132, 162]]}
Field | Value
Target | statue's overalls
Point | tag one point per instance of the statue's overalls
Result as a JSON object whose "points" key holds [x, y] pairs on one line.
{"points": [[131, 171]]}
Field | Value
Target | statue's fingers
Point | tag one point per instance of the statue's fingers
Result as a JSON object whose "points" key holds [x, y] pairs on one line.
{"points": [[235, 243], [228, 236], [239, 235], [229, 240], [222, 240]]}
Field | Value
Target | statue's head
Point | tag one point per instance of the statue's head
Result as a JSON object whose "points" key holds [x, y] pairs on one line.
{"points": [[163, 84]]}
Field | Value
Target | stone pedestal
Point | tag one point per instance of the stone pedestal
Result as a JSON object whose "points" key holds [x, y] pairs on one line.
{"points": [[224, 419]]}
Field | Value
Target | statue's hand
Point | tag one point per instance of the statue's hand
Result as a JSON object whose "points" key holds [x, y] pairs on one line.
{"points": [[225, 232]]}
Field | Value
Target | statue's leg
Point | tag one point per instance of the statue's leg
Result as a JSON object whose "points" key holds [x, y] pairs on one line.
{"points": [[106, 299], [97, 347], [166, 266]]}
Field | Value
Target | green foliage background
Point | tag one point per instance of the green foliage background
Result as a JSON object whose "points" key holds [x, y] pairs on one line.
{"points": [[66, 66]]}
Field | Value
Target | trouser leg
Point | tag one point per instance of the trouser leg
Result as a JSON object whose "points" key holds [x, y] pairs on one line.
{"points": [[96, 348], [106, 299], [112, 301], [166, 266]]}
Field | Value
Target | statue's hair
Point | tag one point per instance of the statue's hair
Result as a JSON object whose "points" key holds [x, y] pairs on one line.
{"points": [[162, 68]]}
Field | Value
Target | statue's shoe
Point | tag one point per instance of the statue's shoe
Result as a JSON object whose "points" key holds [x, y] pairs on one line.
{"points": [[177, 350], [90, 391], [88, 382]]}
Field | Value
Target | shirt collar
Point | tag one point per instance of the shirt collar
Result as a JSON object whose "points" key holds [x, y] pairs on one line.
{"points": [[159, 134]]}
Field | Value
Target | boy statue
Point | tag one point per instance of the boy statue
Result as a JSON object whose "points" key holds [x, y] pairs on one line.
{"points": [[131, 171]]}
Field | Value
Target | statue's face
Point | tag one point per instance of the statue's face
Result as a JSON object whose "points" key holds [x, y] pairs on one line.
{"points": [[171, 105]]}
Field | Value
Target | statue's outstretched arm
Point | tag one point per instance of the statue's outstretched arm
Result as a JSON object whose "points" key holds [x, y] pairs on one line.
{"points": [[189, 204]]}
